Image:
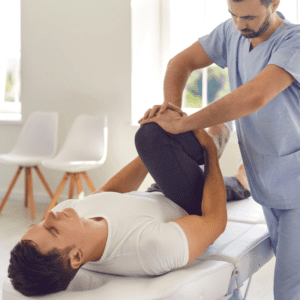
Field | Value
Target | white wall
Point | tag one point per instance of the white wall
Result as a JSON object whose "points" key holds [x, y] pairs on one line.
{"points": [[76, 58]]}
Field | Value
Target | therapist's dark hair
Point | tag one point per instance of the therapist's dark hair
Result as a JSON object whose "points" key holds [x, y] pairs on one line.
{"points": [[266, 3], [34, 274]]}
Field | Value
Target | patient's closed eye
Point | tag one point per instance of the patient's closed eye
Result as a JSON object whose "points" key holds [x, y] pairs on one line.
{"points": [[53, 230]]}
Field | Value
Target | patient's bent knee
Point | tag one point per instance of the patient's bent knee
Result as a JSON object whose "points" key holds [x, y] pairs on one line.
{"points": [[149, 134]]}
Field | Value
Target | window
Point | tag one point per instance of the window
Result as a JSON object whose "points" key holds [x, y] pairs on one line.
{"points": [[10, 58], [204, 86], [163, 28]]}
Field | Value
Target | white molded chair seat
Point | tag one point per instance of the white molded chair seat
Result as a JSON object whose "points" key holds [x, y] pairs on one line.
{"points": [[85, 148], [36, 142], [217, 274], [18, 159], [75, 166]]}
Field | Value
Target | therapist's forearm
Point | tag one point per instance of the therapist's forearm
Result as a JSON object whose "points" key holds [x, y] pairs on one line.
{"points": [[177, 74], [176, 77], [127, 179], [237, 104]]}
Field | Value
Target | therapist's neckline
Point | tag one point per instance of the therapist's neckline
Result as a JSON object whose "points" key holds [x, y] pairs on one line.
{"points": [[271, 36]]}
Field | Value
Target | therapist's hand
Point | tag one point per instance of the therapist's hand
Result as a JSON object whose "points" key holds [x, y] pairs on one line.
{"points": [[158, 109], [169, 120]]}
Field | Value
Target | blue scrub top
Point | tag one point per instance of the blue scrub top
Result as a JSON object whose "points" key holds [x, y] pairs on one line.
{"points": [[269, 139]]}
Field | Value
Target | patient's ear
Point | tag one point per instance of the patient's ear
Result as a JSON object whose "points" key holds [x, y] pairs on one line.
{"points": [[76, 257]]}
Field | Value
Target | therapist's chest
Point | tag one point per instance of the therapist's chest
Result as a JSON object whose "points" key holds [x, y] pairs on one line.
{"points": [[246, 64]]}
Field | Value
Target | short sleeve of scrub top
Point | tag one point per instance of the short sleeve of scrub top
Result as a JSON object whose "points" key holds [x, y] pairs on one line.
{"points": [[215, 44], [287, 55]]}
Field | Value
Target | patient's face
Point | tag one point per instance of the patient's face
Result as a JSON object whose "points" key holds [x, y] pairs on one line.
{"points": [[61, 229]]}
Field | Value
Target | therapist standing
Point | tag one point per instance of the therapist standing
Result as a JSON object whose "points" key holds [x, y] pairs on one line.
{"points": [[261, 50]]}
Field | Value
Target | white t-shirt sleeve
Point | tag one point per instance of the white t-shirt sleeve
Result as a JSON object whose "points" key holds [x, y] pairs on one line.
{"points": [[163, 247]]}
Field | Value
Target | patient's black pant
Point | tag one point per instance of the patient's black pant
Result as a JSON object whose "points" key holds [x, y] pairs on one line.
{"points": [[173, 161]]}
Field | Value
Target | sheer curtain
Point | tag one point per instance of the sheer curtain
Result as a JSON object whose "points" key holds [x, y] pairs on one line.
{"points": [[290, 9], [10, 54]]}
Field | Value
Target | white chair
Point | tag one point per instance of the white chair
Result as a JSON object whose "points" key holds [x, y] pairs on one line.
{"points": [[37, 141], [85, 148]]}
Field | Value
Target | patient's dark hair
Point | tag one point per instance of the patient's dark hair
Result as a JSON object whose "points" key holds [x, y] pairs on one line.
{"points": [[35, 274], [266, 3]]}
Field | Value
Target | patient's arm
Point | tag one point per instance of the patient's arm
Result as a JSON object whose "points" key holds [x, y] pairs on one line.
{"points": [[214, 191], [202, 231], [127, 180]]}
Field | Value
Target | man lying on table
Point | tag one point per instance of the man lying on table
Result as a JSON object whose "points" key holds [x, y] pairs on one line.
{"points": [[119, 230]]}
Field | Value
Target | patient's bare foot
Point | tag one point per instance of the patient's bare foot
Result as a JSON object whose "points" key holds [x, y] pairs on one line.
{"points": [[241, 177]]}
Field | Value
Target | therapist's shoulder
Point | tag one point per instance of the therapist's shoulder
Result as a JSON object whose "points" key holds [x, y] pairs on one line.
{"points": [[293, 34], [226, 29], [194, 56], [289, 34]]}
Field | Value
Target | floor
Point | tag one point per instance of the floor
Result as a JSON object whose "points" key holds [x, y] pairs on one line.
{"points": [[15, 219]]}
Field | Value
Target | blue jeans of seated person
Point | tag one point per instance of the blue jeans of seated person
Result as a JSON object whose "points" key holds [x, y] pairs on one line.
{"points": [[173, 161]]}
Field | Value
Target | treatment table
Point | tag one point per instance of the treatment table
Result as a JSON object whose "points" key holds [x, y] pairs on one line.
{"points": [[217, 274]]}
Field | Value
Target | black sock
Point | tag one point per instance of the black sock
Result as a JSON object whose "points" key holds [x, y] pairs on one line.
{"points": [[235, 190]]}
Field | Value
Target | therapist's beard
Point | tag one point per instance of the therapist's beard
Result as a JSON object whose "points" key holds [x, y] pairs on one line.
{"points": [[263, 29]]}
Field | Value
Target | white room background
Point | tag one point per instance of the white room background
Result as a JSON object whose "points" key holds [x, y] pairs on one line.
{"points": [[86, 56]]}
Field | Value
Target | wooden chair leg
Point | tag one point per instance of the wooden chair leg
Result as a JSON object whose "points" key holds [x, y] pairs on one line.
{"points": [[10, 188], [72, 186], [78, 183], [30, 192], [43, 181], [57, 194], [26, 187], [88, 181]]}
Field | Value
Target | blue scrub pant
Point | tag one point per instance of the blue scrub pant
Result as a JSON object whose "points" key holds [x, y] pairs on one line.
{"points": [[284, 229]]}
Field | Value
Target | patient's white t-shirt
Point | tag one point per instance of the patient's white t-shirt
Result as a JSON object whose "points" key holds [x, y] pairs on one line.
{"points": [[142, 239]]}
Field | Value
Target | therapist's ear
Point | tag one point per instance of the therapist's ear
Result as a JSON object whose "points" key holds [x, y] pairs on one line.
{"points": [[274, 5]]}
